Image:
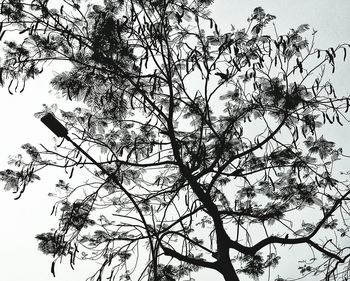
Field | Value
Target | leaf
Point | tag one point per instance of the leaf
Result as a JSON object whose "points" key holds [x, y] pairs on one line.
{"points": [[53, 269], [71, 173], [11, 184], [2, 34], [258, 12], [213, 40], [317, 202], [303, 27], [256, 29], [299, 232], [222, 75], [308, 227], [230, 95]]}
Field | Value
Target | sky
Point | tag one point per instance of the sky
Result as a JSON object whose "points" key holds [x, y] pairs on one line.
{"points": [[21, 220]]}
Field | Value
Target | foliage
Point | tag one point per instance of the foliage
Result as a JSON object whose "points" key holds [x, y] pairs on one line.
{"points": [[209, 144]]}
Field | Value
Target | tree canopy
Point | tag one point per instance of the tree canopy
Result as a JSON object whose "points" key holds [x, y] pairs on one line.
{"points": [[211, 144]]}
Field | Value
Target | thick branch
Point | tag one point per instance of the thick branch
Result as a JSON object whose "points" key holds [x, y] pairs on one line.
{"points": [[199, 262]]}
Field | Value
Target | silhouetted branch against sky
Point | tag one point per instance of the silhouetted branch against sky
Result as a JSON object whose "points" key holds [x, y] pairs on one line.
{"points": [[194, 144]]}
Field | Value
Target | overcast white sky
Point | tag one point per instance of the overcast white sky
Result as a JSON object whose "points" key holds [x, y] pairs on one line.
{"points": [[21, 220]]}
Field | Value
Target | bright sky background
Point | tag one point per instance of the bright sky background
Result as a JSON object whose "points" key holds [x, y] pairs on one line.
{"points": [[21, 220]]}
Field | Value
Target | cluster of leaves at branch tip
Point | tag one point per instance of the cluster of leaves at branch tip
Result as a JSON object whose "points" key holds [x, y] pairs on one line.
{"points": [[255, 265], [200, 135], [18, 180]]}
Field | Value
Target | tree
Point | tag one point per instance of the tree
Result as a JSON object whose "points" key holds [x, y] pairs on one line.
{"points": [[211, 145]]}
